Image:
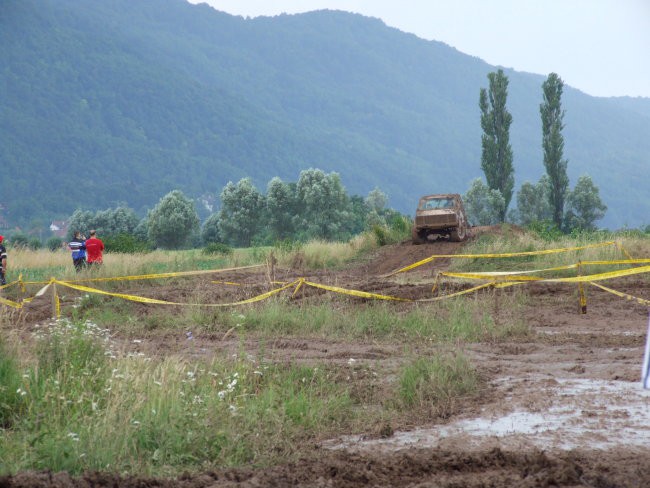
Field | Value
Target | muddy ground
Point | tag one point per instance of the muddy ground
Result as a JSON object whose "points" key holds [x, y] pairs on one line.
{"points": [[563, 407]]}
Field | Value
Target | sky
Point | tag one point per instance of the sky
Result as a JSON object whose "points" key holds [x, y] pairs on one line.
{"points": [[601, 47]]}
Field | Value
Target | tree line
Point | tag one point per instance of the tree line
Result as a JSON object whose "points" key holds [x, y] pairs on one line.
{"points": [[317, 206], [550, 200]]}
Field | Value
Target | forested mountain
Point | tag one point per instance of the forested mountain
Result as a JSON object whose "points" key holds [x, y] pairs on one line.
{"points": [[120, 101]]}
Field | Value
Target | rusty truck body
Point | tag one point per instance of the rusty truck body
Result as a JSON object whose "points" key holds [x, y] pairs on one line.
{"points": [[440, 215]]}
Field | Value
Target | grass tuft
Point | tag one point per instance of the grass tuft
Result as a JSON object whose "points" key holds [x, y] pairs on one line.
{"points": [[437, 383]]}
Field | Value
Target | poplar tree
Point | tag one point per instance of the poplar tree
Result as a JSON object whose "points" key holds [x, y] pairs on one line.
{"points": [[553, 145], [496, 156], [281, 206]]}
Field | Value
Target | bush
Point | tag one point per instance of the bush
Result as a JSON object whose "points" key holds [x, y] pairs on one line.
{"points": [[381, 234], [395, 230], [287, 245], [125, 243], [218, 248], [34, 243], [19, 240], [54, 243], [547, 230]]}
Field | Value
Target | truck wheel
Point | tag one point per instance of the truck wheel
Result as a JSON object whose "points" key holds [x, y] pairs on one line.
{"points": [[417, 239], [458, 234]]}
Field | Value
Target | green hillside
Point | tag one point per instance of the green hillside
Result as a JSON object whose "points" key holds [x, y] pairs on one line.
{"points": [[116, 101]]}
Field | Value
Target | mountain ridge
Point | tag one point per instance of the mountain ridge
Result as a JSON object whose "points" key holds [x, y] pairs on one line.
{"points": [[144, 97]]}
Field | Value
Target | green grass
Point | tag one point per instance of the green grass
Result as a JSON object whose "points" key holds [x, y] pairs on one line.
{"points": [[437, 383], [78, 405], [11, 394], [82, 407], [465, 319]]}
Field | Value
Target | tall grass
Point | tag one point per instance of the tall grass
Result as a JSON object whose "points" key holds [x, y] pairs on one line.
{"points": [[10, 392], [85, 407], [40, 265]]}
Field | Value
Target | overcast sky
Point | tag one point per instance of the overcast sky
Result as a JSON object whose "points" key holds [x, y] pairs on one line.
{"points": [[601, 47]]}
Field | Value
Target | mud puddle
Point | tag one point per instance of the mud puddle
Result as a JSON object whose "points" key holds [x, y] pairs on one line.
{"points": [[571, 414]]}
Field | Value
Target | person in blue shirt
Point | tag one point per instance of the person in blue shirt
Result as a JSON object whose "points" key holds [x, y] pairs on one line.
{"points": [[78, 247]]}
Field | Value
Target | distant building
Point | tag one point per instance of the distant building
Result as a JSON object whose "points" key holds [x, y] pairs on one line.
{"points": [[59, 228]]}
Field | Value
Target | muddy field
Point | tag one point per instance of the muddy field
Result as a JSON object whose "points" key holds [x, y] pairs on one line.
{"points": [[562, 408]]}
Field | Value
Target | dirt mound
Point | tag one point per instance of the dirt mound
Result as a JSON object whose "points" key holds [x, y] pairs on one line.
{"points": [[396, 256]]}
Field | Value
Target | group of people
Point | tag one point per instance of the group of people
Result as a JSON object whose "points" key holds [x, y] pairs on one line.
{"points": [[86, 252]]}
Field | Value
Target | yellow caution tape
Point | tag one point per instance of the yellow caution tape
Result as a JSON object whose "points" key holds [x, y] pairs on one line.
{"points": [[500, 255], [600, 276], [411, 266], [57, 304], [356, 293], [469, 290], [513, 273], [477, 274], [623, 250], [10, 303], [491, 277], [618, 261], [622, 295], [9, 284], [226, 283], [171, 274], [300, 282], [135, 298], [528, 253], [576, 279]]}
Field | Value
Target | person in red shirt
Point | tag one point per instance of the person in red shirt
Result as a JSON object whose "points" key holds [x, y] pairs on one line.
{"points": [[94, 249]]}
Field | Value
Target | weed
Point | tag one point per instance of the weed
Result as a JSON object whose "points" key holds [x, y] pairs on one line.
{"points": [[436, 382]]}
